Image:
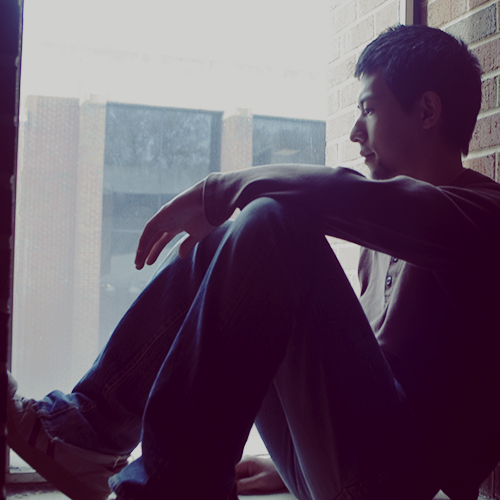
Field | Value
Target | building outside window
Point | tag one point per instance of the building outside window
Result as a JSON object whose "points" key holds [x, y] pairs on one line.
{"points": [[151, 154], [115, 122], [281, 140]]}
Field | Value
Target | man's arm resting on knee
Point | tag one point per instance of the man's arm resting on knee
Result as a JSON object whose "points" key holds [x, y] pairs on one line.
{"points": [[187, 213], [346, 205]]}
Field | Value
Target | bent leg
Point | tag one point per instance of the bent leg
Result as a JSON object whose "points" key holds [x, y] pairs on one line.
{"points": [[334, 420], [227, 352], [104, 411], [272, 305]]}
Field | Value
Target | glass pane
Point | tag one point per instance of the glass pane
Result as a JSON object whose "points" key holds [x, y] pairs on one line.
{"points": [[279, 140], [124, 105], [151, 154]]}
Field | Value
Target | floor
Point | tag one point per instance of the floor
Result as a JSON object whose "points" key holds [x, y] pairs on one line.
{"points": [[44, 491], [37, 491], [47, 492]]}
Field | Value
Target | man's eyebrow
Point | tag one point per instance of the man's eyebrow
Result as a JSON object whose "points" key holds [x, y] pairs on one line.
{"points": [[364, 98]]}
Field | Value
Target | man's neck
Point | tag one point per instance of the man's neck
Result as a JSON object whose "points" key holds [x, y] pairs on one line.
{"points": [[441, 168]]}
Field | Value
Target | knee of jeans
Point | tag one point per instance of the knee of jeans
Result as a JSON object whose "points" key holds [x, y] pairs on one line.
{"points": [[266, 211], [213, 239], [267, 220], [206, 248]]}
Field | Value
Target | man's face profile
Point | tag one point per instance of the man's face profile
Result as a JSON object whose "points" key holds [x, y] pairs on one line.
{"points": [[387, 135]]}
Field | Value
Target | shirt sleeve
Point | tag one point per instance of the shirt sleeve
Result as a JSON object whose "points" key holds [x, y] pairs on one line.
{"points": [[429, 226]]}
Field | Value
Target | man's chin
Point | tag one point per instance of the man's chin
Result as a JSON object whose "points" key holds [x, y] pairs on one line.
{"points": [[379, 172], [377, 176]]}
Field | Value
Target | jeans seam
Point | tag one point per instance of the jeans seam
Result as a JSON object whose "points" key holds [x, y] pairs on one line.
{"points": [[112, 384]]}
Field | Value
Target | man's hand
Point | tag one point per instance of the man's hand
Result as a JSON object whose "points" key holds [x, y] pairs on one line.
{"points": [[184, 213], [255, 475]]}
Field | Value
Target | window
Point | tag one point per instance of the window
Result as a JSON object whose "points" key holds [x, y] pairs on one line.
{"points": [[151, 154], [279, 140], [122, 107]]}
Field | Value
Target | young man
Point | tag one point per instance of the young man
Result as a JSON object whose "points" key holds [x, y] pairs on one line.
{"points": [[389, 395]]}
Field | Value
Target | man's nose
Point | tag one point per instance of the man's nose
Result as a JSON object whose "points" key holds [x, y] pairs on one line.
{"points": [[358, 133]]}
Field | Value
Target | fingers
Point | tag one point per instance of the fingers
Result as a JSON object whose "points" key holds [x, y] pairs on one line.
{"points": [[244, 468], [157, 249], [195, 237], [150, 246], [253, 484], [182, 214], [258, 475]]}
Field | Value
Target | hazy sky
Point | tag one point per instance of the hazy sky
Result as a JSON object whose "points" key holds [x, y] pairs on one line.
{"points": [[279, 47], [288, 33]]}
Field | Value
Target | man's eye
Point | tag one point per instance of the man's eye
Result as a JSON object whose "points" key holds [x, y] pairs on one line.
{"points": [[367, 111]]}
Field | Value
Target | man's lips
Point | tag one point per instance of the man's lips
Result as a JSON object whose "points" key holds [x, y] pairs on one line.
{"points": [[367, 155]]}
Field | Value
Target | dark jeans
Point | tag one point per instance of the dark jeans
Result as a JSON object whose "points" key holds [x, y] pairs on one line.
{"points": [[258, 324]]}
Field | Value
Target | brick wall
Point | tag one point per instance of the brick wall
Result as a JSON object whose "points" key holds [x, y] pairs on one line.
{"points": [[354, 23], [236, 140], [477, 23], [58, 238]]}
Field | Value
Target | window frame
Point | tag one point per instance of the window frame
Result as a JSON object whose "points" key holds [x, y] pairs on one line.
{"points": [[409, 12], [11, 23]]}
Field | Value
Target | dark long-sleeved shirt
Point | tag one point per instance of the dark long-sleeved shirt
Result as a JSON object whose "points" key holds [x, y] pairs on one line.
{"points": [[430, 288]]}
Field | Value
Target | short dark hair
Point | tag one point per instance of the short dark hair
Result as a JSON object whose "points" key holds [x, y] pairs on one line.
{"points": [[415, 59]]}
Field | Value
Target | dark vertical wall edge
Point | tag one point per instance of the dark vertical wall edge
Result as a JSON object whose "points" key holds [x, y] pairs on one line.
{"points": [[10, 68], [417, 12]]}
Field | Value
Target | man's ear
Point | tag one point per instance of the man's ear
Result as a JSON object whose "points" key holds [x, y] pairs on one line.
{"points": [[430, 109]]}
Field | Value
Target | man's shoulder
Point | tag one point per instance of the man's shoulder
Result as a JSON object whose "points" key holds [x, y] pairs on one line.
{"points": [[469, 178]]}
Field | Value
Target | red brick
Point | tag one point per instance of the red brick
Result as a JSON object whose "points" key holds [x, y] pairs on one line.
{"points": [[475, 3], [490, 94], [486, 133], [478, 26], [484, 165], [498, 168], [443, 11], [488, 55]]}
